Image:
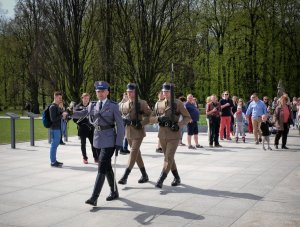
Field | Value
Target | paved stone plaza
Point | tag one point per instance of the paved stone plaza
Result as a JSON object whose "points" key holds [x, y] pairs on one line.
{"points": [[236, 185]]}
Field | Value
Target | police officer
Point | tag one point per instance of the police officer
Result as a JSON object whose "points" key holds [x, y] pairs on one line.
{"points": [[104, 115], [135, 120], [169, 133], [85, 129]]}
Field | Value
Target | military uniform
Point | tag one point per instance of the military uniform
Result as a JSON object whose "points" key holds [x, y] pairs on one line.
{"points": [[104, 115], [135, 132], [169, 133]]}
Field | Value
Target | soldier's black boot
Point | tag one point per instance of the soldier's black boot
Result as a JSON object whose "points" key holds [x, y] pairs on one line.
{"points": [[114, 194], [161, 179], [176, 180], [97, 189], [123, 180], [144, 178]]}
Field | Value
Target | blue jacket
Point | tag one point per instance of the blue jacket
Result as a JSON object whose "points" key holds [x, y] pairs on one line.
{"points": [[108, 123], [257, 109]]}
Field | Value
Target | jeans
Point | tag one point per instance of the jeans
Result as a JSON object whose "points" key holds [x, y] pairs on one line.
{"points": [[55, 139], [63, 126]]}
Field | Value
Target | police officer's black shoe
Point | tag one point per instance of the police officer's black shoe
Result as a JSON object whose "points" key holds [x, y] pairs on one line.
{"points": [[112, 196], [97, 189], [91, 201], [176, 182]]}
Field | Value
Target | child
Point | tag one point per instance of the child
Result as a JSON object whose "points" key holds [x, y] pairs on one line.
{"points": [[265, 124], [239, 118]]}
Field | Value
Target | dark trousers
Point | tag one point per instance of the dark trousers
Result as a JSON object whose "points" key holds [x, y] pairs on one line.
{"points": [[83, 138], [104, 164], [214, 124], [282, 133]]}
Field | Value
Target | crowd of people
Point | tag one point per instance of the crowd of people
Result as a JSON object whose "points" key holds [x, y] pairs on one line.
{"points": [[231, 116], [111, 127]]}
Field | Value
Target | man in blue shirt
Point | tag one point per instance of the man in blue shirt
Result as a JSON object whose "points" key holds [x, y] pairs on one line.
{"points": [[257, 108], [192, 126]]}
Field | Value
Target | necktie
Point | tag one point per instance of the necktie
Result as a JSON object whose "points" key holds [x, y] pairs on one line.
{"points": [[100, 106]]}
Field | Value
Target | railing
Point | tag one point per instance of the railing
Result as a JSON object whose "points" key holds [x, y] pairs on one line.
{"points": [[31, 116], [13, 118]]}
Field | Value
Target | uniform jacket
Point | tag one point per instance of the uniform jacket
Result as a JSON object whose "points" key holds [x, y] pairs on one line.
{"points": [[128, 112], [110, 112], [84, 125], [163, 108]]}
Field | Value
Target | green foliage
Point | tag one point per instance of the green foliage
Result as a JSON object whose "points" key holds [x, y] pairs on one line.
{"points": [[241, 46]]}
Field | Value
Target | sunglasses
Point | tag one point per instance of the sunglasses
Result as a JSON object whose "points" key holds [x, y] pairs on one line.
{"points": [[225, 94]]}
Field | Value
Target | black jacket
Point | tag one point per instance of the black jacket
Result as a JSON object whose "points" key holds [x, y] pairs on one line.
{"points": [[265, 128], [84, 126], [55, 116]]}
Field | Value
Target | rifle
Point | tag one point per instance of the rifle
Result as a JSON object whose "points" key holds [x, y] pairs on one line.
{"points": [[137, 106], [172, 95], [174, 126]]}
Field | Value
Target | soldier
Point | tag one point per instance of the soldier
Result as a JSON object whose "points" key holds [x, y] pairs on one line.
{"points": [[104, 114], [135, 120], [169, 133], [85, 129]]}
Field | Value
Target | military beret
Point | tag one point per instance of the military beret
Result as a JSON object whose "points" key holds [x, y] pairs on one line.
{"points": [[166, 86], [131, 87], [101, 85]]}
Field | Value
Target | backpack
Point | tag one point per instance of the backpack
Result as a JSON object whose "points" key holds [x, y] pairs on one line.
{"points": [[46, 117]]}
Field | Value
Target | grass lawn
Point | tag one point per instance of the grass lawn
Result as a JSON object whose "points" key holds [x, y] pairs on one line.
{"points": [[23, 130]]}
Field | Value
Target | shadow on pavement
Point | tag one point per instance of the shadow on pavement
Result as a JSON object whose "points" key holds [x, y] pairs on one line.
{"points": [[183, 188], [149, 213]]}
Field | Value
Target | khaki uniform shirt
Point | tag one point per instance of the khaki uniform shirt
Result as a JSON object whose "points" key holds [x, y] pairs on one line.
{"points": [[128, 112], [163, 108]]}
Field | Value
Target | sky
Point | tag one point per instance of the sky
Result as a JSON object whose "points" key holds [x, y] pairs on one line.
{"points": [[8, 6]]}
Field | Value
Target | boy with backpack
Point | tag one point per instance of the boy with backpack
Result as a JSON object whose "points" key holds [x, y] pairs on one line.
{"points": [[52, 119]]}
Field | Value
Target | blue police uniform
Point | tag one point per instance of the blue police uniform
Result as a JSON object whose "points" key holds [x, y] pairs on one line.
{"points": [[108, 137]]}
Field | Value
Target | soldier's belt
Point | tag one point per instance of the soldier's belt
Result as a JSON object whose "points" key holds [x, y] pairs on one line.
{"points": [[101, 128]]}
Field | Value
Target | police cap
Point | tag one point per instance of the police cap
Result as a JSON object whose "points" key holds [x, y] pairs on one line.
{"points": [[101, 85]]}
